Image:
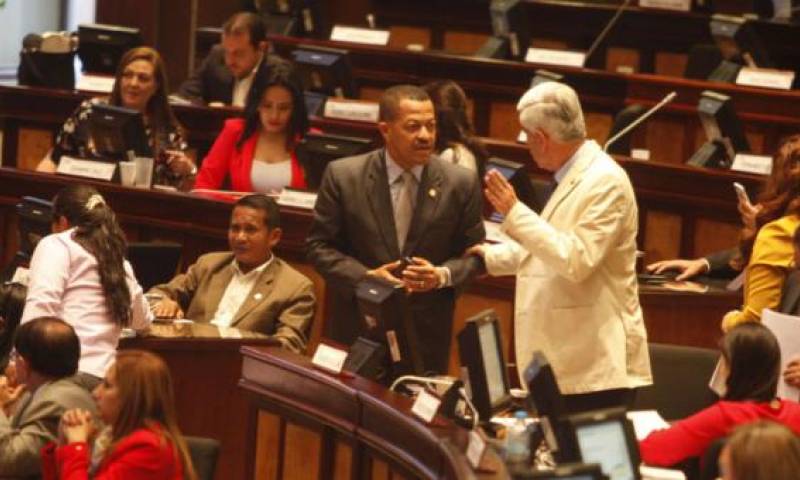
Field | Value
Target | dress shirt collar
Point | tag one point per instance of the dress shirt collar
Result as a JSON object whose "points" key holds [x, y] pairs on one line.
{"points": [[393, 170], [254, 272], [562, 172]]}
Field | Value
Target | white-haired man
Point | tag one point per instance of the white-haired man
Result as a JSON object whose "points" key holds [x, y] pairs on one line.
{"points": [[576, 295]]}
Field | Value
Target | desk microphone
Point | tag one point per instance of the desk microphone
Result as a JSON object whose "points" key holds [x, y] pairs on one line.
{"points": [[605, 32], [670, 97]]}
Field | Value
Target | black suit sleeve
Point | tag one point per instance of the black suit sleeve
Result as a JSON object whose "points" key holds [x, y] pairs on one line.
{"points": [[471, 231], [720, 263], [327, 241], [194, 88]]}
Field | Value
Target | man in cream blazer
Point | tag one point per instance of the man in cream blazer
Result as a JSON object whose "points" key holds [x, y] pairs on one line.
{"points": [[576, 294]]}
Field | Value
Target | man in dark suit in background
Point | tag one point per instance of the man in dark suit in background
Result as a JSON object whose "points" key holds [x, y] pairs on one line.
{"points": [[226, 74], [401, 200]]}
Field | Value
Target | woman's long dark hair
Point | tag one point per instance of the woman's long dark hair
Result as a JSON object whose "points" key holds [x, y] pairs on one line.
{"points": [[452, 122], [781, 194], [275, 75], [97, 231], [754, 363], [12, 303], [159, 113]]}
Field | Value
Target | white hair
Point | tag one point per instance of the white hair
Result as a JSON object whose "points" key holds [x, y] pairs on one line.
{"points": [[553, 107]]}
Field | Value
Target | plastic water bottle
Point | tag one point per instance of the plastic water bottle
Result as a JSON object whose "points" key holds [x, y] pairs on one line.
{"points": [[518, 448]]}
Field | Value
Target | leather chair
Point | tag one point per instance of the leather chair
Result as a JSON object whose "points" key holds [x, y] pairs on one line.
{"points": [[204, 453], [680, 381]]}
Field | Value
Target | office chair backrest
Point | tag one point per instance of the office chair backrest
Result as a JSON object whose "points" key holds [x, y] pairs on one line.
{"points": [[626, 116], [703, 60], [204, 453], [154, 263]]}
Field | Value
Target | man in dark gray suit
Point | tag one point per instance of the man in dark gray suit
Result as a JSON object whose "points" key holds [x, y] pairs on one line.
{"points": [[47, 353], [395, 202]]}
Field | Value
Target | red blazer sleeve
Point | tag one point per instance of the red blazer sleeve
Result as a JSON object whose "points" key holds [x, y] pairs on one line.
{"points": [[687, 438], [298, 174], [140, 456], [217, 163]]}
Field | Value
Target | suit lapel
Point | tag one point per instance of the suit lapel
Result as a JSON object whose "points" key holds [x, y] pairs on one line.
{"points": [[568, 183], [428, 195], [216, 288], [380, 202], [259, 292]]}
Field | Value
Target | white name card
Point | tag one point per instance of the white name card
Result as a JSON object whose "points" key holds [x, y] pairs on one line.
{"points": [[746, 162], [549, 56], [475, 448], [425, 406], [368, 36], [86, 168], [95, 83], [522, 137], [640, 154], [355, 110], [329, 358], [679, 5], [297, 198], [767, 78]]}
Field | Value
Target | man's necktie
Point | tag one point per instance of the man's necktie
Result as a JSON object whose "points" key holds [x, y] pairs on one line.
{"points": [[404, 207]]}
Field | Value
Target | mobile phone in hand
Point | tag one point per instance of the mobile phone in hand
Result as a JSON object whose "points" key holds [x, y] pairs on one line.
{"points": [[741, 193]]}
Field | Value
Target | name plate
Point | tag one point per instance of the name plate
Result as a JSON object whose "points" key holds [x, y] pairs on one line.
{"points": [[367, 36], [86, 168], [759, 77], [746, 162], [549, 56], [329, 358], [297, 198], [355, 110], [95, 83], [475, 449], [640, 154], [425, 406], [678, 5]]}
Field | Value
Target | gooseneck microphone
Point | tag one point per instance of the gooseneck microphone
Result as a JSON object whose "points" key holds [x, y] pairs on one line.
{"points": [[670, 97]]}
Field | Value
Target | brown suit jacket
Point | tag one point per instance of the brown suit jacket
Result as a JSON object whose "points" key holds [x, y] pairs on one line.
{"points": [[281, 303]]}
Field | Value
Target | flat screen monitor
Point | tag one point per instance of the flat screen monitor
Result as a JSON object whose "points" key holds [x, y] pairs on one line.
{"points": [[510, 21], [100, 47], [325, 70], [724, 134], [116, 130], [607, 437], [481, 353], [517, 175], [317, 150]]}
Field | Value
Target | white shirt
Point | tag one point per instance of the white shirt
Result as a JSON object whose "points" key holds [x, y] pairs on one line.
{"points": [[241, 87], [236, 292], [270, 177], [65, 283]]}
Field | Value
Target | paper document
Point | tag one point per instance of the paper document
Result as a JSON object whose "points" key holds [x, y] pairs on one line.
{"points": [[787, 330], [653, 473], [718, 381], [645, 422]]}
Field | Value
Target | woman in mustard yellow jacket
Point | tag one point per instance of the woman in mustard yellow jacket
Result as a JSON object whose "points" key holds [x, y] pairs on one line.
{"points": [[770, 255]]}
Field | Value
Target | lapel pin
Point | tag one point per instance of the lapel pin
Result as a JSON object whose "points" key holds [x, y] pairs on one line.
{"points": [[432, 193], [258, 296]]}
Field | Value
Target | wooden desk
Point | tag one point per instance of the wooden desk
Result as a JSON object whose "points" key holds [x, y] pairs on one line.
{"points": [[308, 424], [205, 370]]}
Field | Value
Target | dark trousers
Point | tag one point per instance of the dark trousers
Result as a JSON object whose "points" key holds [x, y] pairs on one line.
{"points": [[582, 402]]}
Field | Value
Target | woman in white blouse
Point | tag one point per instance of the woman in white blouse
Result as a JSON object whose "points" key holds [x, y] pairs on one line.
{"points": [[257, 152], [455, 136], [79, 274]]}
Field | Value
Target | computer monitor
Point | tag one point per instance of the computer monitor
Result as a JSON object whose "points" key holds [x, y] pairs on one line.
{"points": [[35, 222], [510, 21], [116, 130], [385, 318], [517, 175], [317, 150], [737, 40], [100, 47], [724, 134], [481, 353], [325, 70], [607, 437]]}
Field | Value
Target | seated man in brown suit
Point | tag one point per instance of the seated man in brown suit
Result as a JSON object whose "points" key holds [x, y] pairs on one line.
{"points": [[247, 288]]}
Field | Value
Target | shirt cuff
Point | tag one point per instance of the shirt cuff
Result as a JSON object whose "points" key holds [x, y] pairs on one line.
{"points": [[707, 263], [445, 279]]}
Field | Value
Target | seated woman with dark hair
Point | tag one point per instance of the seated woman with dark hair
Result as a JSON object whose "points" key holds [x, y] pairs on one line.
{"points": [[12, 303], [257, 152], [456, 141], [752, 362], [140, 84], [141, 440]]}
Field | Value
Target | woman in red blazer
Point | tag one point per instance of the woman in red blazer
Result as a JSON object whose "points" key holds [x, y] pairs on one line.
{"points": [[141, 440], [257, 152]]}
